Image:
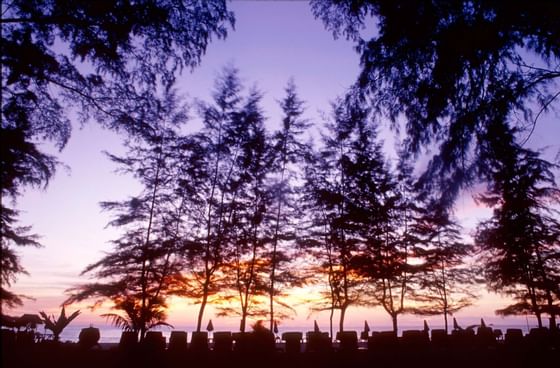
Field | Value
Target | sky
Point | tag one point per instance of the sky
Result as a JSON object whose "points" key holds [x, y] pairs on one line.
{"points": [[272, 42]]}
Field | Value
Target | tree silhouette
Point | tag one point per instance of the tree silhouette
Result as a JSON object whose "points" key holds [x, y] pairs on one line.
{"points": [[521, 242], [346, 182], [104, 54], [288, 152], [446, 278], [248, 268], [102, 58], [144, 268], [454, 71], [210, 182], [11, 235], [58, 325], [391, 247], [21, 165]]}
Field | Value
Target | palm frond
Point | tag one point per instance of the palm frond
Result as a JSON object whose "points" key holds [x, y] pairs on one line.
{"points": [[119, 321], [159, 323]]}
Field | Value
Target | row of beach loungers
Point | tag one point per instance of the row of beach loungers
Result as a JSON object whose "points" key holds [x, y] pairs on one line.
{"points": [[347, 341]]}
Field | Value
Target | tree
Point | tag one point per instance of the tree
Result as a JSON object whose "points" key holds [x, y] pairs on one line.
{"points": [[209, 181], [521, 242], [21, 165], [58, 325], [144, 268], [97, 55], [11, 235], [454, 71], [391, 258], [446, 279], [105, 59], [288, 152], [248, 266], [345, 182]]}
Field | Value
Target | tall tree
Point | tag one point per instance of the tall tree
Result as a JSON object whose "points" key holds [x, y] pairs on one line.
{"points": [[209, 174], [391, 248], [345, 185], [446, 281], [144, 267], [288, 151], [248, 267], [521, 242], [103, 58], [453, 70]]}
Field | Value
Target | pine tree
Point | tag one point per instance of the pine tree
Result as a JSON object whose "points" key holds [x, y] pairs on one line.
{"points": [[446, 280], [346, 183], [390, 245], [248, 267], [209, 180], [521, 242], [144, 268], [453, 71], [288, 153]]}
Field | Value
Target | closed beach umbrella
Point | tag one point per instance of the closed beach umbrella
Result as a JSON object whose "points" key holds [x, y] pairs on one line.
{"points": [[426, 328], [482, 324], [316, 326], [366, 327], [210, 326], [456, 325], [275, 327]]}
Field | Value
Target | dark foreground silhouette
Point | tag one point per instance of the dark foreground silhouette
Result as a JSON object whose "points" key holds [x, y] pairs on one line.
{"points": [[465, 348]]}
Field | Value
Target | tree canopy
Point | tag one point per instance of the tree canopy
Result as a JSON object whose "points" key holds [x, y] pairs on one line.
{"points": [[144, 268], [454, 71], [106, 59], [520, 243]]}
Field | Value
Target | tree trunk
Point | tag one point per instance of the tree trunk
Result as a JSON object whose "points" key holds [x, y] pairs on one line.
{"points": [[272, 277], [539, 319], [394, 319], [243, 322], [142, 332], [274, 251], [331, 321], [342, 316], [202, 306], [534, 305], [552, 322], [550, 302]]}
